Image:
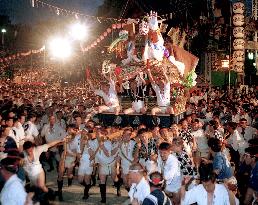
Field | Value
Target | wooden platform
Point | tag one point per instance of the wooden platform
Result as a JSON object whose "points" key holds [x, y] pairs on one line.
{"points": [[133, 120]]}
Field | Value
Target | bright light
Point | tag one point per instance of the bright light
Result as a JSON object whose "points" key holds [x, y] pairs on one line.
{"points": [[78, 31], [250, 56], [60, 48], [3, 30], [225, 63]]}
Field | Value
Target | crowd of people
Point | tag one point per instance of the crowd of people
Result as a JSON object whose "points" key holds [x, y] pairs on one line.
{"points": [[209, 157]]}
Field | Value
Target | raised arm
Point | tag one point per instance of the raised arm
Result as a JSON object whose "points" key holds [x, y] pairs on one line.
{"points": [[165, 75], [141, 78], [150, 76], [52, 144]]}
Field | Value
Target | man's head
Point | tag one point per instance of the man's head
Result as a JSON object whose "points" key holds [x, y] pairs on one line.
{"points": [[52, 120], [72, 129], [105, 87], [156, 181], [136, 172], [28, 147], [164, 150], [207, 177], [243, 123], [251, 156], [9, 121], [8, 167], [21, 118], [215, 145], [127, 135]]}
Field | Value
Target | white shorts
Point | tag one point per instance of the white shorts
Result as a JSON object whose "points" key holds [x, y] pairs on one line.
{"points": [[69, 161], [125, 168], [137, 106], [34, 178], [85, 168], [106, 169]]}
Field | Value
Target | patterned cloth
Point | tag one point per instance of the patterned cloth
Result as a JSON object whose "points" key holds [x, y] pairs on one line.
{"points": [[186, 136], [186, 164], [145, 152]]}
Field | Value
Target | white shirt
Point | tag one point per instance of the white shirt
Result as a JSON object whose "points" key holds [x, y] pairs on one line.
{"points": [[200, 196], [92, 145], [237, 142], [56, 133], [201, 140], [13, 192], [34, 167], [102, 158], [31, 131], [75, 145], [111, 97], [171, 172], [139, 191], [126, 152], [249, 132], [163, 99], [20, 134], [236, 118]]}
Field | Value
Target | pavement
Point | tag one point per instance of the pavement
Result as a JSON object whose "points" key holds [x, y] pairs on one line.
{"points": [[74, 193]]}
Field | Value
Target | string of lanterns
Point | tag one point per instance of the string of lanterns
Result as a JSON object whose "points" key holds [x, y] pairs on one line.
{"points": [[103, 36], [9, 58], [238, 20]]}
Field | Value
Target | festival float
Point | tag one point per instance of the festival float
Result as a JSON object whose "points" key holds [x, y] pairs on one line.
{"points": [[141, 46]]}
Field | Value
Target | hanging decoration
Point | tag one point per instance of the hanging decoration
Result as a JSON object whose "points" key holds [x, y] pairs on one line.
{"points": [[66, 12], [18, 55], [103, 36], [238, 56]]}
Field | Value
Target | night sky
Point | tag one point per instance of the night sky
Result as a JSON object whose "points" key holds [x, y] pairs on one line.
{"points": [[20, 11]]}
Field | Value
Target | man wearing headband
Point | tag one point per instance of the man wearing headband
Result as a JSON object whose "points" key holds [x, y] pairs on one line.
{"points": [[157, 196], [140, 188], [13, 191]]}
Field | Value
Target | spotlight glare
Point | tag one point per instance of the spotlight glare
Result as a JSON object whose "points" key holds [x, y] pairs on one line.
{"points": [[60, 48], [78, 31]]}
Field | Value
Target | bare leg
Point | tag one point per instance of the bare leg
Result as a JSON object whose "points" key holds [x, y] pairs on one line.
{"points": [[41, 182]]}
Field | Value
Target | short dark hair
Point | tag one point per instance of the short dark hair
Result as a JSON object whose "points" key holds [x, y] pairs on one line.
{"points": [[215, 144], [141, 131], [164, 146], [206, 172], [28, 145]]}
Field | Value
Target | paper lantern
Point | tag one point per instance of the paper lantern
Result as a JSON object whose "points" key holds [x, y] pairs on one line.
{"points": [[238, 20], [238, 56], [109, 30], [238, 67], [239, 32], [238, 8], [101, 37], [113, 26], [239, 44], [105, 33], [95, 43], [98, 40]]}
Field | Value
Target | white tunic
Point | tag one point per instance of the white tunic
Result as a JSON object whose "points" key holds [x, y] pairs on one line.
{"points": [[102, 158], [171, 172], [33, 168], [163, 99], [111, 97], [139, 191], [126, 153], [200, 196], [13, 192]]}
